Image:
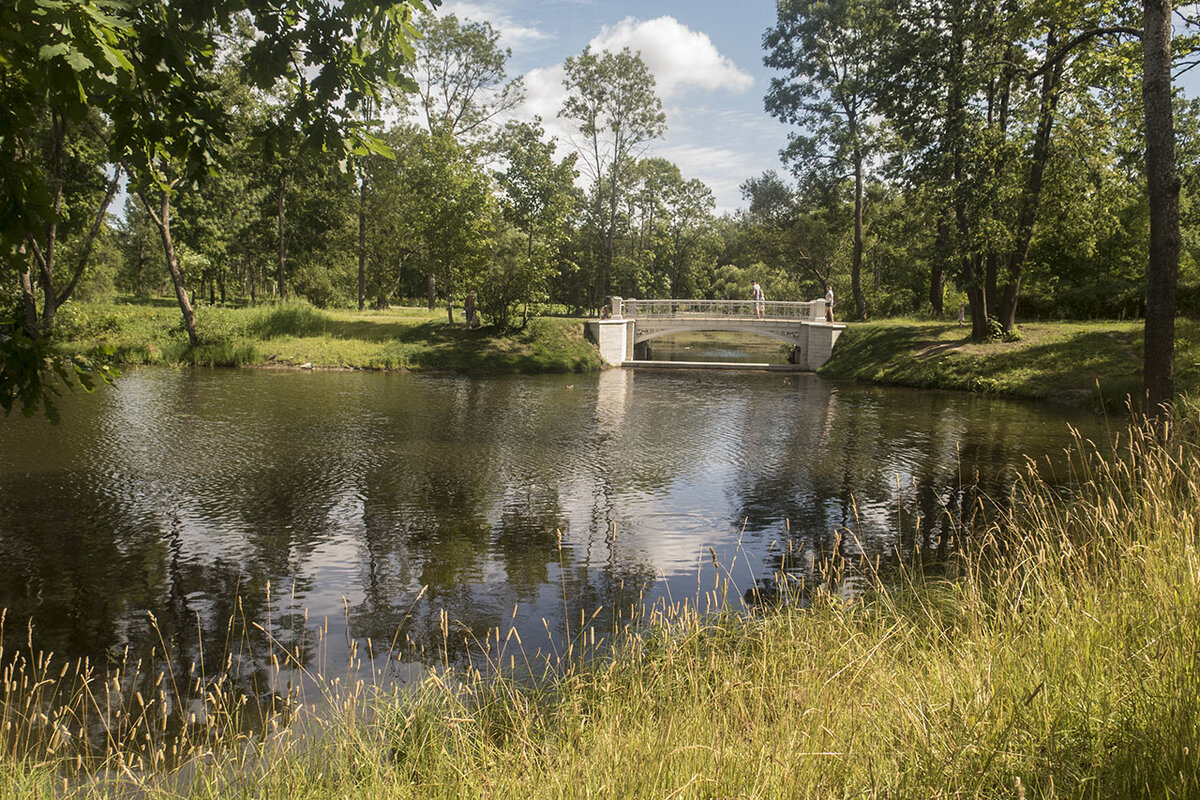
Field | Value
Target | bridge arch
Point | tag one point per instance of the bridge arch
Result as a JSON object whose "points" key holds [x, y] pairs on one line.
{"points": [[790, 331]]}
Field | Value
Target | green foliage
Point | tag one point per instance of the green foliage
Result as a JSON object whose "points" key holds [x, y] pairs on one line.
{"points": [[509, 278], [33, 373], [459, 77], [146, 74], [454, 220], [612, 100], [539, 197]]}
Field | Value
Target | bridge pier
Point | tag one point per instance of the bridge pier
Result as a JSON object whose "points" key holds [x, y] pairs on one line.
{"points": [[614, 338]]}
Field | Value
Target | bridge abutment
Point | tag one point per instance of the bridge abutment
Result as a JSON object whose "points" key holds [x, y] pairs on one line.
{"points": [[614, 338]]}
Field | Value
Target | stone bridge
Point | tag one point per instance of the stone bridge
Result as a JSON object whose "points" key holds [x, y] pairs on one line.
{"points": [[622, 336]]}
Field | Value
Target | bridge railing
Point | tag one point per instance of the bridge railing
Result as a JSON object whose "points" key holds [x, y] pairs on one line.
{"points": [[628, 308]]}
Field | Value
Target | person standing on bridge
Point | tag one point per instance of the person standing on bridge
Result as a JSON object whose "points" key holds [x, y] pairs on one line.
{"points": [[756, 294], [828, 303]]}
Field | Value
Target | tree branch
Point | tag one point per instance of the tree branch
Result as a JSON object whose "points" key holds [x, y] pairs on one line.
{"points": [[1082, 38], [91, 237]]}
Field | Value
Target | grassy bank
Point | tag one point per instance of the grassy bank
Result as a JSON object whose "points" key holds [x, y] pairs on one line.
{"points": [[1063, 664], [1057, 361], [295, 335]]}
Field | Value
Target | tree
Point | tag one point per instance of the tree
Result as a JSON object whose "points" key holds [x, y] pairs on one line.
{"points": [[60, 65], [1162, 273], [670, 230], [538, 197], [147, 67], [453, 220], [827, 52], [391, 235], [793, 232], [459, 77], [612, 100], [320, 73], [83, 188]]}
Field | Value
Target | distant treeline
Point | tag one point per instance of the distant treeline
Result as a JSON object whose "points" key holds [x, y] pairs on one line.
{"points": [[928, 162]]}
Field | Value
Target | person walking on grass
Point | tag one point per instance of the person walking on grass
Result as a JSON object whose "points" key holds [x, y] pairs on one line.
{"points": [[756, 294], [469, 311]]}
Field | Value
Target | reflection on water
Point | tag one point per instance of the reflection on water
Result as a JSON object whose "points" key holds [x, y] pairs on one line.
{"points": [[389, 502]]}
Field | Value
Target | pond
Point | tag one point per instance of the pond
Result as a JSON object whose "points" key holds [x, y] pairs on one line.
{"points": [[424, 510]]}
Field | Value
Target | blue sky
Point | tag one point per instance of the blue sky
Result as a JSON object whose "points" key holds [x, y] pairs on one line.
{"points": [[706, 57]]}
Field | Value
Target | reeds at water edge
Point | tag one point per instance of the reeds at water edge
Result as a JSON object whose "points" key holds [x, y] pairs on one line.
{"points": [[1061, 659]]}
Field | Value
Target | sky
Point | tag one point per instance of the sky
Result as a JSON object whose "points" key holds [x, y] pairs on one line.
{"points": [[706, 58]]}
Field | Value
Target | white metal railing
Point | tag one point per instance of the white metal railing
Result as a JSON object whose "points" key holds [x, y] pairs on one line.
{"points": [[629, 308]]}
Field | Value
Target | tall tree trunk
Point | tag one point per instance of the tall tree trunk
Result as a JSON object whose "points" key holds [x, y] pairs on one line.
{"points": [[977, 303], [1162, 273], [93, 233], [280, 212], [528, 255], [162, 220], [1031, 197], [29, 301], [969, 267], [937, 272], [860, 302], [362, 244], [44, 256], [610, 233], [992, 268], [991, 273], [139, 277]]}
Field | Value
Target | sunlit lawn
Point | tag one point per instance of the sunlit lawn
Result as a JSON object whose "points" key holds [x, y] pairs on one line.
{"points": [[1071, 362]]}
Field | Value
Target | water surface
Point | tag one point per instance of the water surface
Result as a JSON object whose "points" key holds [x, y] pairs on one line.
{"points": [[382, 503]]}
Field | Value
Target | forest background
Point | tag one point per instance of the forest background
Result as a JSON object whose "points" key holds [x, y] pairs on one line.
{"points": [[946, 153]]}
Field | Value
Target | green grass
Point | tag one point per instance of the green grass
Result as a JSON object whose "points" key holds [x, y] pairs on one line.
{"points": [[1077, 363], [293, 335], [1061, 661]]}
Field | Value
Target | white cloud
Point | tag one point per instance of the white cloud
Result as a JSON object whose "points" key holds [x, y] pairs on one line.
{"points": [[544, 92], [512, 34], [679, 57], [683, 62], [723, 169]]}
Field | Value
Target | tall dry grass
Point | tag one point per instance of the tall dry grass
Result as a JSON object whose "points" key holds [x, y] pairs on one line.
{"points": [[1062, 660]]}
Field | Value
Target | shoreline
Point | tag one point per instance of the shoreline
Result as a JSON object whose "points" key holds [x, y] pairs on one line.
{"points": [[297, 336], [1075, 364]]}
